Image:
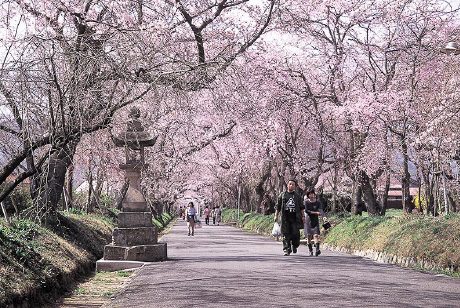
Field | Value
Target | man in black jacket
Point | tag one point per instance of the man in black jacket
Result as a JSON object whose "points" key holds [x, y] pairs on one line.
{"points": [[290, 206]]}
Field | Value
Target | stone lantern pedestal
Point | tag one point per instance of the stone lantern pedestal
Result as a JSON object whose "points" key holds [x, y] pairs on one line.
{"points": [[135, 241]]}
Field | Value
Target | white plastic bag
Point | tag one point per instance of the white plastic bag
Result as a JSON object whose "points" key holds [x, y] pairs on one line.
{"points": [[276, 231]]}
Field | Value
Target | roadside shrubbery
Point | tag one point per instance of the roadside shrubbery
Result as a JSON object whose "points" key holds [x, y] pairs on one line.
{"points": [[162, 221]]}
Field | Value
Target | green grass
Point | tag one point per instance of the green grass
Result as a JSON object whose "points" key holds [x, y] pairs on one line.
{"points": [[432, 240], [166, 217], [123, 274], [32, 257]]}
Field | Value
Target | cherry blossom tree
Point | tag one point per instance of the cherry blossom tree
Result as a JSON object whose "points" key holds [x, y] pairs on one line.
{"points": [[69, 66]]}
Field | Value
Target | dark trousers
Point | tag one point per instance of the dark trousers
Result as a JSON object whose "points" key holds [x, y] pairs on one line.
{"points": [[291, 237], [206, 220], [213, 220]]}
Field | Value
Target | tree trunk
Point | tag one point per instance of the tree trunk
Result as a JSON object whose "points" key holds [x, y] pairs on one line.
{"points": [[97, 192], [260, 191], [356, 197], [69, 186], [452, 204], [334, 190], [436, 196], [368, 195], [405, 179], [52, 182], [5, 214], [90, 189], [384, 204], [140, 15], [428, 192], [34, 179], [15, 204]]}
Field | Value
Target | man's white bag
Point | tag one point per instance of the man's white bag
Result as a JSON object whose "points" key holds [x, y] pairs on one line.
{"points": [[276, 231]]}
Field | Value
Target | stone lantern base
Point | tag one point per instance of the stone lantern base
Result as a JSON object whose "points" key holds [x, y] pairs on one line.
{"points": [[134, 242], [145, 253]]}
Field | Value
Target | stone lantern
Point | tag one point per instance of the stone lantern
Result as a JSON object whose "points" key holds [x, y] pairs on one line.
{"points": [[135, 241]]}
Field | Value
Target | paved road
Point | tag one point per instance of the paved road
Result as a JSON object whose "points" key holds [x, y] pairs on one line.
{"points": [[222, 266]]}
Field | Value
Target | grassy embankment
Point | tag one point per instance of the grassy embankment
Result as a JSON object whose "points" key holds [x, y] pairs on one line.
{"points": [[37, 264], [430, 243]]}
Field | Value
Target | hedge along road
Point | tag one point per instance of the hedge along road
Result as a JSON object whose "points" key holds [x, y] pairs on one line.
{"points": [[222, 266]]}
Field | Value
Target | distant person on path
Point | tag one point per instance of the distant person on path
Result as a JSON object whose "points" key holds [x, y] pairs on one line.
{"points": [[213, 214], [191, 217], [183, 212], [218, 214], [313, 208], [206, 215], [291, 208]]}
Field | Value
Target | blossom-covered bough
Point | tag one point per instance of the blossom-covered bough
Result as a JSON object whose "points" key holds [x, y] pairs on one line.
{"points": [[69, 66]]}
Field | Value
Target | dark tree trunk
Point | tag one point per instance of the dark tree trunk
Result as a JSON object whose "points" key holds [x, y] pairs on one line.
{"points": [[384, 204], [452, 204], [335, 198], [368, 195], [52, 182], [260, 191], [97, 192], [90, 189], [15, 205], [34, 179], [405, 179], [268, 205], [69, 186], [428, 192]]}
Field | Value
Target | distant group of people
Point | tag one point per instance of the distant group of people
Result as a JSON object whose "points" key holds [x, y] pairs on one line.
{"points": [[215, 213], [189, 214], [296, 213]]}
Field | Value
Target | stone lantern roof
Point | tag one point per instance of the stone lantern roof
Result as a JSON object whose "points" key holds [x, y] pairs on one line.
{"points": [[134, 137]]}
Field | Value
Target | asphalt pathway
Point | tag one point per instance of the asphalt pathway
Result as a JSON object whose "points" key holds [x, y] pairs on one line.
{"points": [[222, 266]]}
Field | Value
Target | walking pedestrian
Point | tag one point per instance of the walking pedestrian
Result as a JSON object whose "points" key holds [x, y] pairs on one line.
{"points": [[218, 214], [313, 209], [191, 217], [206, 215], [213, 214], [291, 208]]}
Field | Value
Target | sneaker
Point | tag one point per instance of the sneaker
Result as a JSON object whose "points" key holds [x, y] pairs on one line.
{"points": [[310, 253], [287, 253], [318, 252], [294, 249], [189, 234]]}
